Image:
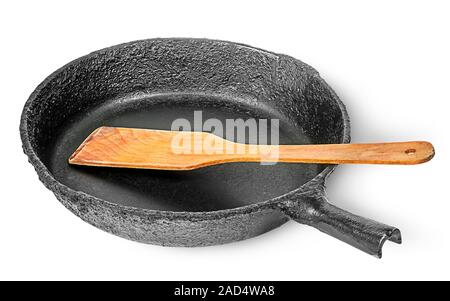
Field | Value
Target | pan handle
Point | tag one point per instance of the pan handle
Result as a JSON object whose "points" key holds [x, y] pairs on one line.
{"points": [[360, 232]]}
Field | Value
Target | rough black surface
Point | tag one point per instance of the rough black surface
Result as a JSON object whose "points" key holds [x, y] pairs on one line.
{"points": [[233, 76]]}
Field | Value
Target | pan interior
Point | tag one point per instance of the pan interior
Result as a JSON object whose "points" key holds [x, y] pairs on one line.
{"points": [[212, 188]]}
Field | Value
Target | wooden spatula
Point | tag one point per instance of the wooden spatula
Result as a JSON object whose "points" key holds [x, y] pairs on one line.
{"points": [[172, 150]]}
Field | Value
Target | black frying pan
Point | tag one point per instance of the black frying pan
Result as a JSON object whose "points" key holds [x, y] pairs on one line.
{"points": [[148, 84]]}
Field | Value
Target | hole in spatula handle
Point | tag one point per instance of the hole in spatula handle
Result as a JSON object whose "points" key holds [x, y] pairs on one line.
{"points": [[410, 151]]}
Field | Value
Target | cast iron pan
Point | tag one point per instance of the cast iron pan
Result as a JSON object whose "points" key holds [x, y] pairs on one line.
{"points": [[148, 84]]}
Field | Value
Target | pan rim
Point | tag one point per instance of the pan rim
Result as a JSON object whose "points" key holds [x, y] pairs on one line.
{"points": [[54, 185]]}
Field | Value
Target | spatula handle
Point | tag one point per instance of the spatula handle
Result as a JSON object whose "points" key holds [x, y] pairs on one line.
{"points": [[405, 153]]}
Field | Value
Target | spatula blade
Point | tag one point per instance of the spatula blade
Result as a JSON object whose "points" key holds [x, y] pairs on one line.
{"points": [[144, 149]]}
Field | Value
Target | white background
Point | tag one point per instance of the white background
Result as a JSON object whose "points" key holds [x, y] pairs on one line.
{"points": [[388, 61]]}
